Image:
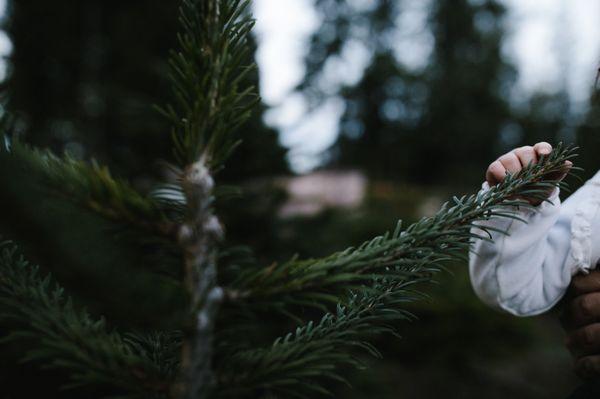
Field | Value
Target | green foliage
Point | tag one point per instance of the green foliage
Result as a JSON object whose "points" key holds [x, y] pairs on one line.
{"points": [[206, 74], [353, 295], [294, 364], [371, 286], [91, 186], [63, 337]]}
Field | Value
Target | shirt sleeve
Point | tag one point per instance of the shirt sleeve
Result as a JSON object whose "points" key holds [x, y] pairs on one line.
{"points": [[528, 271]]}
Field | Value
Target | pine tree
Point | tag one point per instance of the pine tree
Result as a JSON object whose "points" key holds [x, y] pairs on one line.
{"points": [[248, 330], [395, 112]]}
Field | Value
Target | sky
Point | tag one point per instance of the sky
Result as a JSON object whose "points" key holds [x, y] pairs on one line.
{"points": [[553, 43]]}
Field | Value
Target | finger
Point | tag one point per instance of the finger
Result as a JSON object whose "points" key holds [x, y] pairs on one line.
{"points": [[510, 162], [568, 165], [584, 309], [585, 283], [495, 173], [561, 174], [542, 148], [584, 341], [588, 367], [526, 155]]}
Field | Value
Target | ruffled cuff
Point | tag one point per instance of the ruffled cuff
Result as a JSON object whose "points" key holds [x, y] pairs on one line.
{"points": [[581, 230]]}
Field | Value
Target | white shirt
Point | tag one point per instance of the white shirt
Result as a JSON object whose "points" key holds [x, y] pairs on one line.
{"points": [[527, 272]]}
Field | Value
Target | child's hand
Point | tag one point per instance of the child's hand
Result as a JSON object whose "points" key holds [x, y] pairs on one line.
{"points": [[512, 162]]}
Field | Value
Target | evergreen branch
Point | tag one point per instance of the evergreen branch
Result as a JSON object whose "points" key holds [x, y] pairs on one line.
{"points": [[68, 339], [447, 235], [206, 73], [162, 348], [317, 350], [93, 186], [388, 265]]}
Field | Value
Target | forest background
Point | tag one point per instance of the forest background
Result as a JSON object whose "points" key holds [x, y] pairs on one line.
{"points": [[83, 75]]}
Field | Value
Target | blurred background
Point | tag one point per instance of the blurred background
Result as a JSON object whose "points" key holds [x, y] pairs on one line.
{"points": [[373, 111]]}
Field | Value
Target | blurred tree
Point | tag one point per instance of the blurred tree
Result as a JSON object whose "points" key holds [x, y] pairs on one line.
{"points": [[425, 124], [588, 137], [469, 82], [370, 135], [544, 117], [89, 85]]}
